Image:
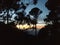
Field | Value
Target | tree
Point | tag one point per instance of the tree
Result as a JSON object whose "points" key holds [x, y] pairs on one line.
{"points": [[6, 5], [35, 13], [54, 17], [55, 11], [19, 18], [35, 2]]}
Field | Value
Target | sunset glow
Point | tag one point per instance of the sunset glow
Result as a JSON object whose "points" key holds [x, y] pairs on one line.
{"points": [[26, 26]]}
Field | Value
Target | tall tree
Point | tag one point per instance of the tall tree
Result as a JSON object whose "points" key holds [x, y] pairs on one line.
{"points": [[35, 13], [54, 17], [51, 33]]}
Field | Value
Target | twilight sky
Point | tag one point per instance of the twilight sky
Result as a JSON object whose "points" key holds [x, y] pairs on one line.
{"points": [[41, 6]]}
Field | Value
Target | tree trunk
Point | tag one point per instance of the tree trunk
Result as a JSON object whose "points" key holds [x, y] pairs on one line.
{"points": [[7, 16], [35, 30]]}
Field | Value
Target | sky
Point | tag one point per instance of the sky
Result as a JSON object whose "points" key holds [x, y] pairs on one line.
{"points": [[42, 16], [42, 7]]}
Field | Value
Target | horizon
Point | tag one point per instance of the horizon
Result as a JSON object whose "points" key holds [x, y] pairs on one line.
{"points": [[26, 26]]}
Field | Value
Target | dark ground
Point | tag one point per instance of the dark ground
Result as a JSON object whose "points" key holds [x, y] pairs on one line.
{"points": [[12, 36]]}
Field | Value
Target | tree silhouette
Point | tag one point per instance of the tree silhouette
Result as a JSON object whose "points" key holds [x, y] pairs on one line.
{"points": [[6, 5], [20, 18], [27, 18], [55, 7], [35, 13], [7, 37], [52, 31], [35, 2]]}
